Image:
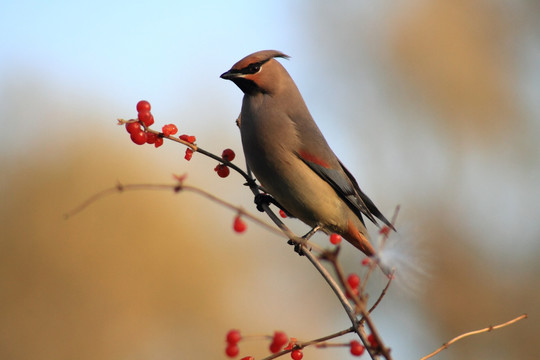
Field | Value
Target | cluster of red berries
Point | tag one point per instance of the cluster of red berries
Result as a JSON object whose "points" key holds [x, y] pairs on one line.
{"points": [[138, 129], [279, 340], [221, 169], [233, 337], [169, 130], [358, 349], [143, 113], [140, 134], [296, 354]]}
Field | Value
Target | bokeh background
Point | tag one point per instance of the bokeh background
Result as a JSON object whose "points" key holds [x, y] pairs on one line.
{"points": [[434, 105]]}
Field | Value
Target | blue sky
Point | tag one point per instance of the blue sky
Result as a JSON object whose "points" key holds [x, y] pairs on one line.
{"points": [[115, 53], [141, 43]]}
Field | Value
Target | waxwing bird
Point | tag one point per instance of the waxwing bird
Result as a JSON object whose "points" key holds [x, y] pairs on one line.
{"points": [[290, 157]]}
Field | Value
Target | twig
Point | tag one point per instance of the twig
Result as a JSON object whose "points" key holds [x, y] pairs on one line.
{"points": [[170, 187], [317, 342], [320, 341], [487, 329], [360, 302], [381, 295], [193, 147]]}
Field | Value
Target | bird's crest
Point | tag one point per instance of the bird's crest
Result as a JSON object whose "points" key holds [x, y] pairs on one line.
{"points": [[259, 57]]}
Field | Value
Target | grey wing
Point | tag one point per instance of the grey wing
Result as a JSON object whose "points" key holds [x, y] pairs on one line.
{"points": [[346, 189]]}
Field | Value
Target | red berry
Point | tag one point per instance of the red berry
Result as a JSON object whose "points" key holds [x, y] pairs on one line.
{"points": [[248, 358], [189, 154], [159, 142], [292, 342], [132, 127], [222, 170], [139, 137], [372, 341], [353, 280], [169, 129], [335, 238], [355, 291], [232, 350], [165, 130], [274, 348], [239, 225], [228, 155], [233, 336], [189, 138], [297, 354], [280, 338], [356, 348], [366, 261], [282, 213], [385, 230], [146, 118], [143, 105], [151, 138]]}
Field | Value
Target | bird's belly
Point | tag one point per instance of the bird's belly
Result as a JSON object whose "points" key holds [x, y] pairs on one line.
{"points": [[302, 192]]}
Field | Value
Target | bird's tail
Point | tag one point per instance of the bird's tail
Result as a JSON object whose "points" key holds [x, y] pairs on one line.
{"points": [[360, 240]]}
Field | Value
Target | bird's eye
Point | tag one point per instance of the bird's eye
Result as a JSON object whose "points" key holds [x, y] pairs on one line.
{"points": [[255, 68]]}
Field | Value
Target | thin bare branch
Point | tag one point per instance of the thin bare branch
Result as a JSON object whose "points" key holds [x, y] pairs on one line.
{"points": [[320, 342], [381, 295], [174, 188], [476, 332]]}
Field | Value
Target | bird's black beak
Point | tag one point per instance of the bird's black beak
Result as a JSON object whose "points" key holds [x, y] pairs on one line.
{"points": [[231, 74]]}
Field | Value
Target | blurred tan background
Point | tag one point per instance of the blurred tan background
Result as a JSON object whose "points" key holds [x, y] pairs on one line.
{"points": [[433, 105]]}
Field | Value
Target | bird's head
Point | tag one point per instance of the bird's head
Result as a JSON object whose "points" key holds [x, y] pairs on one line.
{"points": [[258, 72]]}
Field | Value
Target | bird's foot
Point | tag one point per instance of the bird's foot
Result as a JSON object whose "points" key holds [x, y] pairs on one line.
{"points": [[262, 199], [311, 232], [299, 243], [298, 248]]}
